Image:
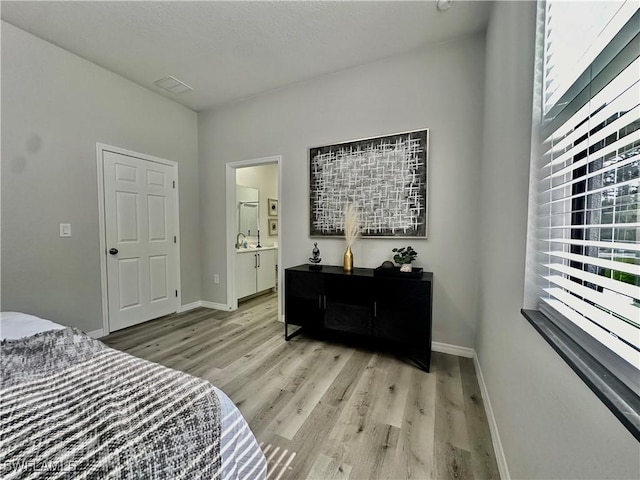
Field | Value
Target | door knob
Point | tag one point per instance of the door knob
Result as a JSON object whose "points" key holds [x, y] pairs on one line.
{"points": [[113, 251]]}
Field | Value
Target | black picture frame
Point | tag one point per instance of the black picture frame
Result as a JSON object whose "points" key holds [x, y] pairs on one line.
{"points": [[386, 177]]}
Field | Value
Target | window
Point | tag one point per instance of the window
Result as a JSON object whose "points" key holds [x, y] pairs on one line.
{"points": [[587, 176]]}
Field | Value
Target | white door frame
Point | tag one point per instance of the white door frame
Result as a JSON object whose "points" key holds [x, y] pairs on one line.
{"points": [[100, 149], [231, 168]]}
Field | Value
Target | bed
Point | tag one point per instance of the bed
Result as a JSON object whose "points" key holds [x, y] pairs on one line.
{"points": [[71, 407]]}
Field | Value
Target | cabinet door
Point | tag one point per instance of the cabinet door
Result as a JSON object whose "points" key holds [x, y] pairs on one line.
{"points": [[245, 274], [349, 303], [303, 298], [266, 270], [402, 311]]}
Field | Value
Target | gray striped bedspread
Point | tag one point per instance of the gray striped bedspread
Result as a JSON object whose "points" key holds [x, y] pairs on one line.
{"points": [[71, 407]]}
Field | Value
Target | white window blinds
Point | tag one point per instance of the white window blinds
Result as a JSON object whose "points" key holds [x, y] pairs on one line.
{"points": [[588, 218], [575, 35]]}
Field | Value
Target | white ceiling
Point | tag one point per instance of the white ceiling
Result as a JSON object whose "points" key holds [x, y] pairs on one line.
{"points": [[232, 50]]}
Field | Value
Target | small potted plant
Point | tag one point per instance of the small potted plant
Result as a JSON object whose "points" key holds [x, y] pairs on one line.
{"points": [[403, 257]]}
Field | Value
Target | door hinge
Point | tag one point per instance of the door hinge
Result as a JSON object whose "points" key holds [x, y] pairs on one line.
{"points": [[175, 239], [174, 184], [176, 293]]}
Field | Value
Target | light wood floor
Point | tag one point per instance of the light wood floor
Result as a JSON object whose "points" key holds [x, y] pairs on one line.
{"points": [[324, 410]]}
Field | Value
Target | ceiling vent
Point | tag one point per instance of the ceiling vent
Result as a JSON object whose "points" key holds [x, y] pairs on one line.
{"points": [[173, 85]]}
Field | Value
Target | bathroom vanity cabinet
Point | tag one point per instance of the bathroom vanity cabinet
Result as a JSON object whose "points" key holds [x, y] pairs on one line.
{"points": [[255, 271]]}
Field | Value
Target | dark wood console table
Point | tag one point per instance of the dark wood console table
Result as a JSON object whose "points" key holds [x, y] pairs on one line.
{"points": [[393, 310]]}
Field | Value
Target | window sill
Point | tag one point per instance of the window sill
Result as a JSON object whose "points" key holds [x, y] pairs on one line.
{"points": [[622, 400]]}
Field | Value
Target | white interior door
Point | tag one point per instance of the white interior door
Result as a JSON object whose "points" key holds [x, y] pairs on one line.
{"points": [[140, 205]]}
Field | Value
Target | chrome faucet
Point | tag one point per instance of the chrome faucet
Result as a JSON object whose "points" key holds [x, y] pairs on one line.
{"points": [[238, 244]]}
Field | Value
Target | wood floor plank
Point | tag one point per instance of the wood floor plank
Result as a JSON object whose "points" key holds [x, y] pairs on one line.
{"points": [[309, 394], [169, 339], [483, 459], [323, 409], [310, 437], [345, 383], [241, 345], [450, 413], [279, 455], [363, 442], [233, 334], [248, 316], [281, 367], [357, 412], [262, 413], [156, 330], [452, 463], [326, 468], [187, 341], [241, 365], [416, 443], [374, 456], [389, 409], [251, 396]]}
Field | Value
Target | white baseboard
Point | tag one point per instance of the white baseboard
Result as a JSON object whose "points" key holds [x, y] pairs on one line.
{"points": [[452, 349], [501, 459], [96, 333], [205, 304], [216, 306], [189, 306]]}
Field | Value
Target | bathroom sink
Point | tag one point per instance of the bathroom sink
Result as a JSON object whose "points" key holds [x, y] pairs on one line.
{"points": [[254, 247]]}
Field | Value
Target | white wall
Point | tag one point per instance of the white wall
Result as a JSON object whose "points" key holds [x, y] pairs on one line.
{"points": [[55, 107], [551, 425], [265, 179], [441, 88]]}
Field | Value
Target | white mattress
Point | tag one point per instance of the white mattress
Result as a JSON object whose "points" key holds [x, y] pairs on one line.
{"points": [[14, 325], [241, 455]]}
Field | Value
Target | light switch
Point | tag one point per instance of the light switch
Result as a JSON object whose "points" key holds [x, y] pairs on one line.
{"points": [[65, 229]]}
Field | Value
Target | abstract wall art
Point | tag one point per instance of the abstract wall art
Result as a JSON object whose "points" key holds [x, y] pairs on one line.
{"points": [[385, 177]]}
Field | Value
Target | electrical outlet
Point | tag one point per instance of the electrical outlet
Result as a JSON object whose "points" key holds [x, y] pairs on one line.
{"points": [[216, 278]]}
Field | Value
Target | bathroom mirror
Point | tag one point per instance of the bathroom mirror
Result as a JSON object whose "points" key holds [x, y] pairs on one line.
{"points": [[247, 199]]}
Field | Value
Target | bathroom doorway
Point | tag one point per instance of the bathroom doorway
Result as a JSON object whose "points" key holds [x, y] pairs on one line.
{"points": [[253, 229]]}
